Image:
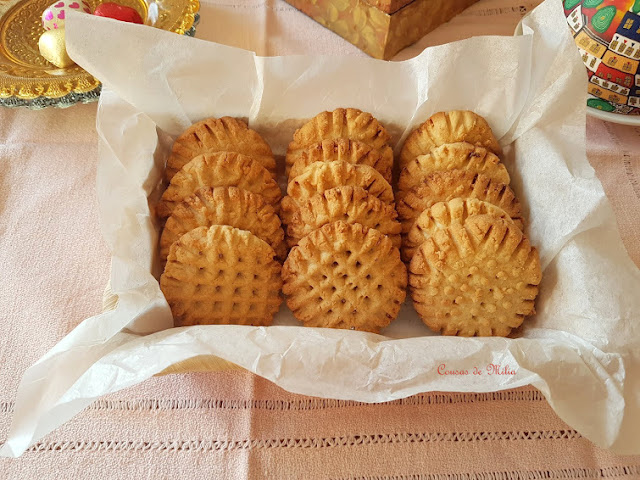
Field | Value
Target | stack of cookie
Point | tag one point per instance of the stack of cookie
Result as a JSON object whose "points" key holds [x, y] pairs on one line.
{"points": [[222, 235], [472, 271], [344, 269]]}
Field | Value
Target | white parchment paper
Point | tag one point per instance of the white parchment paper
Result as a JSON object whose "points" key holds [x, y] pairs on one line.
{"points": [[580, 350]]}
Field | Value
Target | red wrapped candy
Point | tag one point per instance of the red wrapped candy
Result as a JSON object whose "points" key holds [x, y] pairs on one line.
{"points": [[118, 12]]}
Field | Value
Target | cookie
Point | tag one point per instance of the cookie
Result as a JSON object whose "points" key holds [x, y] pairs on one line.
{"points": [[443, 214], [345, 276], [445, 186], [221, 275], [348, 204], [453, 156], [320, 176], [476, 278], [349, 123], [448, 127], [212, 135], [343, 150], [222, 169], [224, 206]]}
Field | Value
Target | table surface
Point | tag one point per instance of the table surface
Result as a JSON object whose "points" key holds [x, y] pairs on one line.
{"points": [[234, 424]]}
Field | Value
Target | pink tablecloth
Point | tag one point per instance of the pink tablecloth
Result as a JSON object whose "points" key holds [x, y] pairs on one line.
{"points": [[54, 265]]}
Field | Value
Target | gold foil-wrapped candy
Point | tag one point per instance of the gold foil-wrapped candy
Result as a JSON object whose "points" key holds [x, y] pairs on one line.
{"points": [[53, 49]]}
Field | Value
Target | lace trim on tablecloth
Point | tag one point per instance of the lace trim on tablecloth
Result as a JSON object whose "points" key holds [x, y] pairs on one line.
{"points": [[302, 404], [320, 442], [565, 473]]}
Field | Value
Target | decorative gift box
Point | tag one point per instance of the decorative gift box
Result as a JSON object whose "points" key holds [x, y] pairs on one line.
{"points": [[381, 28]]}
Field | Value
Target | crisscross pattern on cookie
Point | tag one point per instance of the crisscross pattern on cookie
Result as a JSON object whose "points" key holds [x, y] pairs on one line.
{"points": [[224, 206], [476, 278], [212, 135], [345, 276], [443, 215], [454, 156], [448, 127], [343, 150], [222, 169], [222, 275], [347, 204], [318, 177], [349, 123], [444, 186]]}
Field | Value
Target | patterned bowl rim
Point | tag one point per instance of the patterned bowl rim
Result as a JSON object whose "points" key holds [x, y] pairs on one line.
{"points": [[633, 120]]}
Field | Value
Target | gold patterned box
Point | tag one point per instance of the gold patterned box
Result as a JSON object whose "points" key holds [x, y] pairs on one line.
{"points": [[381, 28]]}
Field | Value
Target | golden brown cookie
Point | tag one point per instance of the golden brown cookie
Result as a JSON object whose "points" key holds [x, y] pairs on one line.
{"points": [[222, 169], [345, 276], [444, 186], [224, 206], [212, 135], [320, 176], [222, 275], [448, 127], [348, 123], [476, 278], [453, 156], [343, 150], [348, 204], [443, 214]]}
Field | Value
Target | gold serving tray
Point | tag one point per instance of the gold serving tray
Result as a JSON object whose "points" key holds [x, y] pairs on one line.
{"points": [[25, 76]]}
